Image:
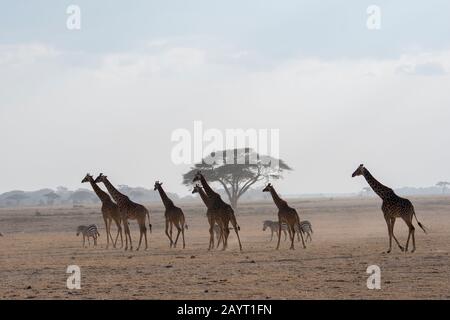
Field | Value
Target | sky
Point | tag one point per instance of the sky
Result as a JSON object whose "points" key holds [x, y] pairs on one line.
{"points": [[107, 97]]}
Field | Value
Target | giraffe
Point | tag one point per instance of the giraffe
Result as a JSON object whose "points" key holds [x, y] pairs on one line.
{"points": [[110, 211], [393, 207], [129, 210], [174, 216], [287, 215], [223, 211], [212, 219]]}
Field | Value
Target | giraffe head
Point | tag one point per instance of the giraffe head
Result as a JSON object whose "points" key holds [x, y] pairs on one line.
{"points": [[268, 188], [157, 185], [100, 178], [196, 189], [359, 171], [197, 176], [87, 178]]}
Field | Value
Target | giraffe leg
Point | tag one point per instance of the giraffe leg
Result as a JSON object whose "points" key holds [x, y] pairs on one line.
{"points": [[182, 234], [271, 235], [211, 236], [290, 233], [107, 233], [126, 230], [177, 225], [119, 231], [167, 232], [219, 236], [142, 230], [303, 241], [145, 236], [393, 235], [235, 226], [388, 223], [285, 235], [410, 234], [292, 237], [226, 231], [279, 236], [84, 241], [127, 235]]}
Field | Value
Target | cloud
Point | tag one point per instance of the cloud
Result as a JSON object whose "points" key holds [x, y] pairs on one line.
{"points": [[20, 54], [170, 60], [117, 114], [425, 64]]}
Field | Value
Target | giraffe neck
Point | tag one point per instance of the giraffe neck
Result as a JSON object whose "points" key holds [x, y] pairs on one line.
{"points": [[115, 194], [381, 190], [102, 195], [165, 199], [210, 192], [280, 203], [204, 196]]}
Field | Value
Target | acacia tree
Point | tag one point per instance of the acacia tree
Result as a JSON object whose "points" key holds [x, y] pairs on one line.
{"points": [[236, 170], [443, 185], [81, 196], [51, 197], [18, 197]]}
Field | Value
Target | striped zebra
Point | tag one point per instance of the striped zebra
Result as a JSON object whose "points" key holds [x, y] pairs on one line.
{"points": [[87, 232], [219, 238], [274, 227], [306, 228]]}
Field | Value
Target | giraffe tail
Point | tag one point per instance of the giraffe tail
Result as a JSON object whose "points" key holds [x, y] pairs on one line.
{"points": [[420, 225], [149, 224]]}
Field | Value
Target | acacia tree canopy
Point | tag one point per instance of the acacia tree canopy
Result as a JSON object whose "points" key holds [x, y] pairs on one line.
{"points": [[236, 170]]}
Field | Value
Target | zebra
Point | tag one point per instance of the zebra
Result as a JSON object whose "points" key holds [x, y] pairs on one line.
{"points": [[274, 227], [306, 228], [216, 229], [87, 232]]}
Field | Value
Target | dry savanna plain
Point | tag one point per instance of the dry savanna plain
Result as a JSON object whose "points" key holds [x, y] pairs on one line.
{"points": [[350, 234]]}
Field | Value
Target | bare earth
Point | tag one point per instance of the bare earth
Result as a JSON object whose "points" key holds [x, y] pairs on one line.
{"points": [[349, 235]]}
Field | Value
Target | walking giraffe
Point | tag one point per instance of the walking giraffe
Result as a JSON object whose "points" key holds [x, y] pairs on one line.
{"points": [[110, 211], [129, 211], [393, 207], [287, 215], [212, 219], [174, 216], [224, 212]]}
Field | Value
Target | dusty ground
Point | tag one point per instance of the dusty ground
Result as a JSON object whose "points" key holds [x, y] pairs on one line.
{"points": [[349, 235]]}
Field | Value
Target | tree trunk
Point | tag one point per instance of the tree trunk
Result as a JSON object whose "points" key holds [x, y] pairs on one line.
{"points": [[234, 201], [234, 204]]}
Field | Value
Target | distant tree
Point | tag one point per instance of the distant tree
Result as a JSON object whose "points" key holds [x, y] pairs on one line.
{"points": [[51, 197], [235, 175], [82, 196], [18, 196], [137, 195], [443, 185]]}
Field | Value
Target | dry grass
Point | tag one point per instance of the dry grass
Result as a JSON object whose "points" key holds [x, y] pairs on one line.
{"points": [[349, 235]]}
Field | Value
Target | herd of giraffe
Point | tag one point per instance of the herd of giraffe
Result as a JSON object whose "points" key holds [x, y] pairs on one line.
{"points": [[220, 214]]}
